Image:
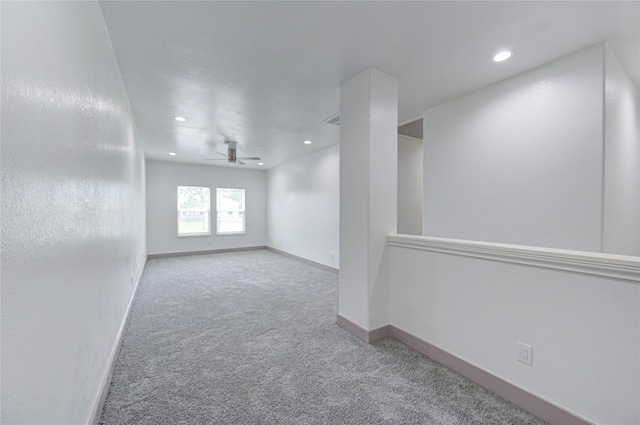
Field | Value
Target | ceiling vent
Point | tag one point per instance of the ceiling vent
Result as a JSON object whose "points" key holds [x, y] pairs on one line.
{"points": [[333, 119]]}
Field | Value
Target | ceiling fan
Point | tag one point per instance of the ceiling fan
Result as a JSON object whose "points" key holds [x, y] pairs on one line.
{"points": [[231, 155]]}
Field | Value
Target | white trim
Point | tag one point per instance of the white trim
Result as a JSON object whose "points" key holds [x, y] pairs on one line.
{"points": [[592, 263], [178, 210], [243, 211]]}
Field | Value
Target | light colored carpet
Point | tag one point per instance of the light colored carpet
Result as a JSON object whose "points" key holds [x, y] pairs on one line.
{"points": [[250, 338]]}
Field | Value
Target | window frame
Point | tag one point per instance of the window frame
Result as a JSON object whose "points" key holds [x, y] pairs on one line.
{"points": [[178, 211], [243, 211]]}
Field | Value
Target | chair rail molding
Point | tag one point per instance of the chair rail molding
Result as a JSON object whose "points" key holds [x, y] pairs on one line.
{"points": [[592, 263]]}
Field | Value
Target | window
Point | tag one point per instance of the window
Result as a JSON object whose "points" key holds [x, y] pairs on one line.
{"points": [[194, 207], [230, 211]]}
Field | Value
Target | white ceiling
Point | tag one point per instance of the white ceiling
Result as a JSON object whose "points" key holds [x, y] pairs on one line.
{"points": [[266, 74]]}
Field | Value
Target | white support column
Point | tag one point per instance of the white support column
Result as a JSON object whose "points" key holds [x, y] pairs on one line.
{"points": [[368, 195]]}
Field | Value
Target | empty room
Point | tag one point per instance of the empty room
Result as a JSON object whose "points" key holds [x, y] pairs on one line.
{"points": [[266, 212]]}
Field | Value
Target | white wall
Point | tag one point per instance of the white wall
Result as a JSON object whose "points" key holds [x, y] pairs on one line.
{"points": [[410, 187], [585, 330], [73, 232], [520, 161], [307, 190], [368, 195], [523, 162], [163, 179], [304, 207], [622, 160]]}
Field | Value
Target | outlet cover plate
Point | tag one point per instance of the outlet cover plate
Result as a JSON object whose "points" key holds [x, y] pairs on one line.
{"points": [[525, 353]]}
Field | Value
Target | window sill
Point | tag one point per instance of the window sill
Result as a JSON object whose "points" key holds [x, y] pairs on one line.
{"points": [[193, 235], [231, 233]]}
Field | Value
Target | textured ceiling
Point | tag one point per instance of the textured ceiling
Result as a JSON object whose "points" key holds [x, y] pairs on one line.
{"points": [[266, 74]]}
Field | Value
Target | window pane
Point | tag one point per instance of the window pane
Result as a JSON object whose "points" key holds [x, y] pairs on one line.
{"points": [[230, 221], [230, 210], [193, 198], [193, 222], [193, 210]]}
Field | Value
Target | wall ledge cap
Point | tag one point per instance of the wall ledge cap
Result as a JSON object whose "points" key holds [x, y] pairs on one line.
{"points": [[623, 267]]}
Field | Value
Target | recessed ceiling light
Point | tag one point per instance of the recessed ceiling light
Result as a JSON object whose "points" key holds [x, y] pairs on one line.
{"points": [[181, 119], [172, 153], [260, 163], [307, 142], [502, 56]]}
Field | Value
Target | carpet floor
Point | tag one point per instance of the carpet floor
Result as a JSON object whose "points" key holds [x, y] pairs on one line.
{"points": [[250, 338]]}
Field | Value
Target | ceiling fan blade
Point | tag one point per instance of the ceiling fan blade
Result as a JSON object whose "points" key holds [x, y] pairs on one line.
{"points": [[239, 162], [217, 159], [250, 158]]}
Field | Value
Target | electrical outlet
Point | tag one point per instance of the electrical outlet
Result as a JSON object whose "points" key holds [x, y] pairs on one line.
{"points": [[131, 280], [525, 353], [332, 255]]}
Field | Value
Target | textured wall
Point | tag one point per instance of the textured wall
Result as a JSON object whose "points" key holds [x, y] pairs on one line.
{"points": [[622, 160], [520, 161], [163, 179], [304, 207], [72, 210], [585, 330], [307, 190]]}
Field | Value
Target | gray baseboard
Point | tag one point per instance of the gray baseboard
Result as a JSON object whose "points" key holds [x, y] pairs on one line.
{"points": [[210, 251], [304, 260], [106, 382], [352, 328], [533, 404], [366, 336]]}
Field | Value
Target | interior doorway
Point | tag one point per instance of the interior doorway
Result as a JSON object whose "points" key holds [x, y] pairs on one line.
{"points": [[410, 182]]}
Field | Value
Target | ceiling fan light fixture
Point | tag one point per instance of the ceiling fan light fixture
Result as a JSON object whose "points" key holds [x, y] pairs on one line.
{"points": [[172, 153], [181, 119], [232, 156], [307, 142]]}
